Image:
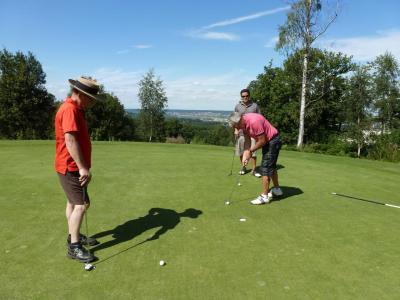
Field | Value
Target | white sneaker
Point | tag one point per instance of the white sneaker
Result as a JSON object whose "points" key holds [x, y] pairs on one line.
{"points": [[262, 199], [256, 174], [276, 191]]}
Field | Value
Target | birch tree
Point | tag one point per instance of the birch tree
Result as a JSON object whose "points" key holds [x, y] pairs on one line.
{"points": [[153, 100], [305, 23]]}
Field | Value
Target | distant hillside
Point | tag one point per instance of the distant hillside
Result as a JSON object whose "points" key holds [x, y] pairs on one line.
{"points": [[202, 115]]}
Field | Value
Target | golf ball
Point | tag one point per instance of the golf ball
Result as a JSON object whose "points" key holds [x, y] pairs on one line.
{"points": [[162, 263], [242, 220], [227, 203], [89, 267], [239, 184]]}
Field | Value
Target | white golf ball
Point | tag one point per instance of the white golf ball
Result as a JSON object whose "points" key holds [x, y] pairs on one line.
{"points": [[89, 267], [242, 220], [227, 203], [162, 263], [239, 184]]}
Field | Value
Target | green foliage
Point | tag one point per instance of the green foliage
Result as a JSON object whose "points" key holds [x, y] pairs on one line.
{"points": [[301, 26], [358, 100], [108, 120], [385, 147], [387, 93], [26, 108], [153, 101], [278, 91]]}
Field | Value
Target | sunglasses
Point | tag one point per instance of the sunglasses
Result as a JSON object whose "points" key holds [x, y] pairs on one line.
{"points": [[245, 96]]}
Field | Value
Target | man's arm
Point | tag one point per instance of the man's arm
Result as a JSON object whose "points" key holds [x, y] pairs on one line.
{"points": [[260, 142], [76, 153]]}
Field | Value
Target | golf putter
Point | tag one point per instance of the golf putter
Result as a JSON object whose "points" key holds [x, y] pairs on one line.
{"points": [[88, 266], [233, 156]]}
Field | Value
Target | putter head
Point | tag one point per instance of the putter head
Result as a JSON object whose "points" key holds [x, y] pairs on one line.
{"points": [[89, 267]]}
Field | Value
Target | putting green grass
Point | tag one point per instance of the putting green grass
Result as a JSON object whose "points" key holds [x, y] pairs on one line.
{"points": [[309, 245]]}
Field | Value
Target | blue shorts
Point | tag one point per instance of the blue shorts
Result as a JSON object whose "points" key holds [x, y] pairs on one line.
{"points": [[270, 153]]}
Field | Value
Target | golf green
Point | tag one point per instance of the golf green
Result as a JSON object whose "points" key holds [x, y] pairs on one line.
{"points": [[309, 245]]}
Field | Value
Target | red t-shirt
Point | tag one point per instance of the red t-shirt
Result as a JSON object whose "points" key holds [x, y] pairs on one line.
{"points": [[71, 118], [256, 124]]}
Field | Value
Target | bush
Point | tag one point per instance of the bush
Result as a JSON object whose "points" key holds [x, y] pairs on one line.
{"points": [[385, 147], [175, 140]]}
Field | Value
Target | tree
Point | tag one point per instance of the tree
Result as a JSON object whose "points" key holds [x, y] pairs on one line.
{"points": [[108, 119], [387, 94], [26, 108], [278, 91], [300, 31], [153, 102], [358, 103], [173, 127]]}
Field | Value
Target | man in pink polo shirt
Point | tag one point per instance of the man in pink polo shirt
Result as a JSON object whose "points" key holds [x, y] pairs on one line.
{"points": [[267, 137]]}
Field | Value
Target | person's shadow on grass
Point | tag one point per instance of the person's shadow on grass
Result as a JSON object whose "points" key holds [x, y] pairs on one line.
{"points": [[288, 191], [164, 218]]}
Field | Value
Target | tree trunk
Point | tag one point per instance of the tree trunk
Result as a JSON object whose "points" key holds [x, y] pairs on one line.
{"points": [[151, 129], [303, 101]]}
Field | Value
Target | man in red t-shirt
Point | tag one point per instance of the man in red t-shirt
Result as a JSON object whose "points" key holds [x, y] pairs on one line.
{"points": [[73, 161], [267, 137]]}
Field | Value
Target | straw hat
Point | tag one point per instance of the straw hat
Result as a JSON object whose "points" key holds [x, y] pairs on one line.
{"points": [[87, 86]]}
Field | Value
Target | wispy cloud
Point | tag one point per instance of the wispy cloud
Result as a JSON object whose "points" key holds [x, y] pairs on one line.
{"points": [[139, 46], [246, 18], [213, 35], [364, 48], [125, 51], [272, 42], [205, 33], [142, 46]]}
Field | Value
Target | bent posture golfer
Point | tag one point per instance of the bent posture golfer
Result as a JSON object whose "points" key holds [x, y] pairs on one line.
{"points": [[73, 161], [267, 137]]}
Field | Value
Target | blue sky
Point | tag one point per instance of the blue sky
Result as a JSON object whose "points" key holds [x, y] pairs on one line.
{"points": [[204, 51]]}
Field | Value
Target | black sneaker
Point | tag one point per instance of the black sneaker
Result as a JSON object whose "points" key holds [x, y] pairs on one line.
{"points": [[84, 240], [81, 254]]}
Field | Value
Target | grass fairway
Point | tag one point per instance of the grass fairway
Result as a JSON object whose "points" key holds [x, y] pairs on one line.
{"points": [[310, 245]]}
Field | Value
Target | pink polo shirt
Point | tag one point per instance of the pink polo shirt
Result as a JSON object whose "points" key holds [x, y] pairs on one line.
{"points": [[256, 124]]}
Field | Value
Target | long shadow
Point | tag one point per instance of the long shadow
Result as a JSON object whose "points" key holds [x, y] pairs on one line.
{"points": [[288, 191], [164, 218]]}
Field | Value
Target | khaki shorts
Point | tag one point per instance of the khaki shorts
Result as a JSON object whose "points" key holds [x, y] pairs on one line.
{"points": [[240, 146], [73, 189]]}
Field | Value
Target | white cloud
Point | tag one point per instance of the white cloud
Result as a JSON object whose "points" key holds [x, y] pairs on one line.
{"points": [[143, 46], [365, 48], [213, 92], [213, 35], [206, 34], [246, 18], [208, 92], [125, 51], [272, 42]]}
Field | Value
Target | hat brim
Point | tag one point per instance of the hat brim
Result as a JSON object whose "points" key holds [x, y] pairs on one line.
{"points": [[72, 83]]}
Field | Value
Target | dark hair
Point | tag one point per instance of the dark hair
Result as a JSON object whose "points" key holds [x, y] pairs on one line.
{"points": [[244, 91]]}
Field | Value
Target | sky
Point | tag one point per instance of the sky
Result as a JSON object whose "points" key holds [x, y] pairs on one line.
{"points": [[205, 51]]}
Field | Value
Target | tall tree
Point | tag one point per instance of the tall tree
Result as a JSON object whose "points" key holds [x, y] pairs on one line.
{"points": [[278, 91], [358, 106], [108, 119], [26, 108], [302, 28], [387, 94], [153, 100]]}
